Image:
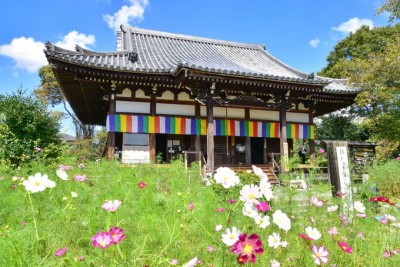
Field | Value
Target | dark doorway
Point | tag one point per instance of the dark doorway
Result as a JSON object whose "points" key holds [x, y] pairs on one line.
{"points": [[161, 148], [257, 150]]}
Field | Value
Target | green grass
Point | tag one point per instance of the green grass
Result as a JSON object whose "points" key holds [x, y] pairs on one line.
{"points": [[159, 227]]}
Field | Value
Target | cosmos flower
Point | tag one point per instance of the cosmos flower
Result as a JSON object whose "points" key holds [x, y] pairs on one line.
{"points": [[117, 235], [333, 231], [320, 254], [274, 263], [282, 220], [359, 206], [230, 237], [38, 183], [193, 262], [250, 210], [316, 202], [222, 209], [226, 177], [64, 167], [263, 206], [345, 247], [210, 248], [142, 185], [80, 178], [274, 240], [62, 174], [262, 221], [266, 189], [321, 150], [305, 237], [247, 247], [313, 233], [102, 240], [111, 205], [250, 194], [218, 228], [61, 251], [332, 208], [190, 206]]}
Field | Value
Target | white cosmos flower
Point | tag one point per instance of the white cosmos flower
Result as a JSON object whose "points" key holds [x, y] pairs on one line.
{"points": [[218, 228], [38, 183], [390, 217], [226, 177], [191, 263], [250, 210], [275, 263], [332, 208], [62, 174], [230, 236], [250, 193], [313, 233], [282, 220], [74, 194], [274, 240], [284, 244], [261, 221], [259, 172], [266, 189], [359, 206]]}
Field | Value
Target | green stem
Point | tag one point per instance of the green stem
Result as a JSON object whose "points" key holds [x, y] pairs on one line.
{"points": [[120, 252], [34, 218]]}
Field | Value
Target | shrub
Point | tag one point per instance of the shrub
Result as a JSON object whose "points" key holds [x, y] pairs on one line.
{"points": [[386, 178]]}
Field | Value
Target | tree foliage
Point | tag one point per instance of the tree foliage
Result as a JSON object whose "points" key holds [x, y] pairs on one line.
{"points": [[340, 127], [51, 93], [25, 125], [392, 7], [371, 59]]}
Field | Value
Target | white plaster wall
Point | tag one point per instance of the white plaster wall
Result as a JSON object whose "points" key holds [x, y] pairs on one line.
{"points": [[135, 154], [175, 109], [132, 107], [167, 95], [301, 106], [125, 93], [236, 113], [297, 117], [140, 94], [264, 115], [184, 96]]}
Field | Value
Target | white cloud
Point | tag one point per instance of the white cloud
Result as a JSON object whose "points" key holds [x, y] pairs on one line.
{"points": [[75, 38], [314, 42], [352, 25], [134, 11], [28, 53]]}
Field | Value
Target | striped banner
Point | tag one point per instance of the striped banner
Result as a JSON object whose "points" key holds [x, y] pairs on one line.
{"points": [[197, 126]]}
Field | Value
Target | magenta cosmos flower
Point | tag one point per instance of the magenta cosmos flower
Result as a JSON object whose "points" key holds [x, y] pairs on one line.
{"points": [[263, 206], [111, 205], [102, 240], [320, 254], [191, 206], [346, 248], [61, 251], [321, 150], [247, 247], [117, 235]]}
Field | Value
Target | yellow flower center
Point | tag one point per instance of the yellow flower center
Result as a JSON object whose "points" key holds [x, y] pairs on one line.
{"points": [[225, 178], [248, 249], [251, 196], [37, 183], [318, 255], [103, 243], [232, 236]]}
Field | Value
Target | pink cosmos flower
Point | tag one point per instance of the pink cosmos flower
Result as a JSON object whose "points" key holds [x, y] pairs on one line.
{"points": [[174, 262], [61, 251], [23, 222], [117, 235], [305, 237], [320, 254], [398, 158], [220, 209], [231, 201], [361, 215], [333, 231], [360, 235], [345, 247], [191, 206], [142, 185], [111, 205], [263, 206], [387, 254], [343, 219], [210, 248], [316, 202], [247, 247], [321, 150], [102, 240], [65, 167], [80, 178]]}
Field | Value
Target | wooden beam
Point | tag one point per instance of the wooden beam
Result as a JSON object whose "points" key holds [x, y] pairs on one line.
{"points": [[152, 136], [311, 142], [283, 132], [210, 136], [111, 139]]}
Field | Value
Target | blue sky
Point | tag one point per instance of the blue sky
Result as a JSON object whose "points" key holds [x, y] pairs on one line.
{"points": [[301, 33]]}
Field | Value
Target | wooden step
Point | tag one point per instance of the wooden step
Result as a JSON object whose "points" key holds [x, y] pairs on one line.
{"points": [[267, 169]]}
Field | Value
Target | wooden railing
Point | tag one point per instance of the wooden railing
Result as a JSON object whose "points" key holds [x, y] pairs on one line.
{"points": [[192, 156], [274, 162]]}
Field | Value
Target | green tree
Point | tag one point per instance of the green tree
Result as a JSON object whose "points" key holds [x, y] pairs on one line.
{"points": [[26, 125], [371, 59], [391, 6], [51, 93]]}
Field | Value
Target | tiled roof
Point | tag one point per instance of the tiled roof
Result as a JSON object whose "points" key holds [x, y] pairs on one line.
{"points": [[147, 51]]}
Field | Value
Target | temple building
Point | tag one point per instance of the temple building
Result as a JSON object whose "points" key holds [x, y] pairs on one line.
{"points": [[162, 93]]}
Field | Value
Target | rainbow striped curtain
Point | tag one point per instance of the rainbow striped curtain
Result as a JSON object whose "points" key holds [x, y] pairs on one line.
{"points": [[197, 126]]}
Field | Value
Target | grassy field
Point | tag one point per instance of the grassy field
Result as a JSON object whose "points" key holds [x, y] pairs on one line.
{"points": [[172, 217]]}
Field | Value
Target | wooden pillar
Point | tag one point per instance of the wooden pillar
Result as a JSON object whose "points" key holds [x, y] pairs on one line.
{"points": [[210, 135], [247, 140], [197, 140], [233, 150], [152, 136], [283, 133], [265, 151], [111, 135], [311, 142]]}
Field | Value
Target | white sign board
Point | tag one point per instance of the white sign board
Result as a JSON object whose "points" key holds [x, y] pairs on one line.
{"points": [[344, 177]]}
